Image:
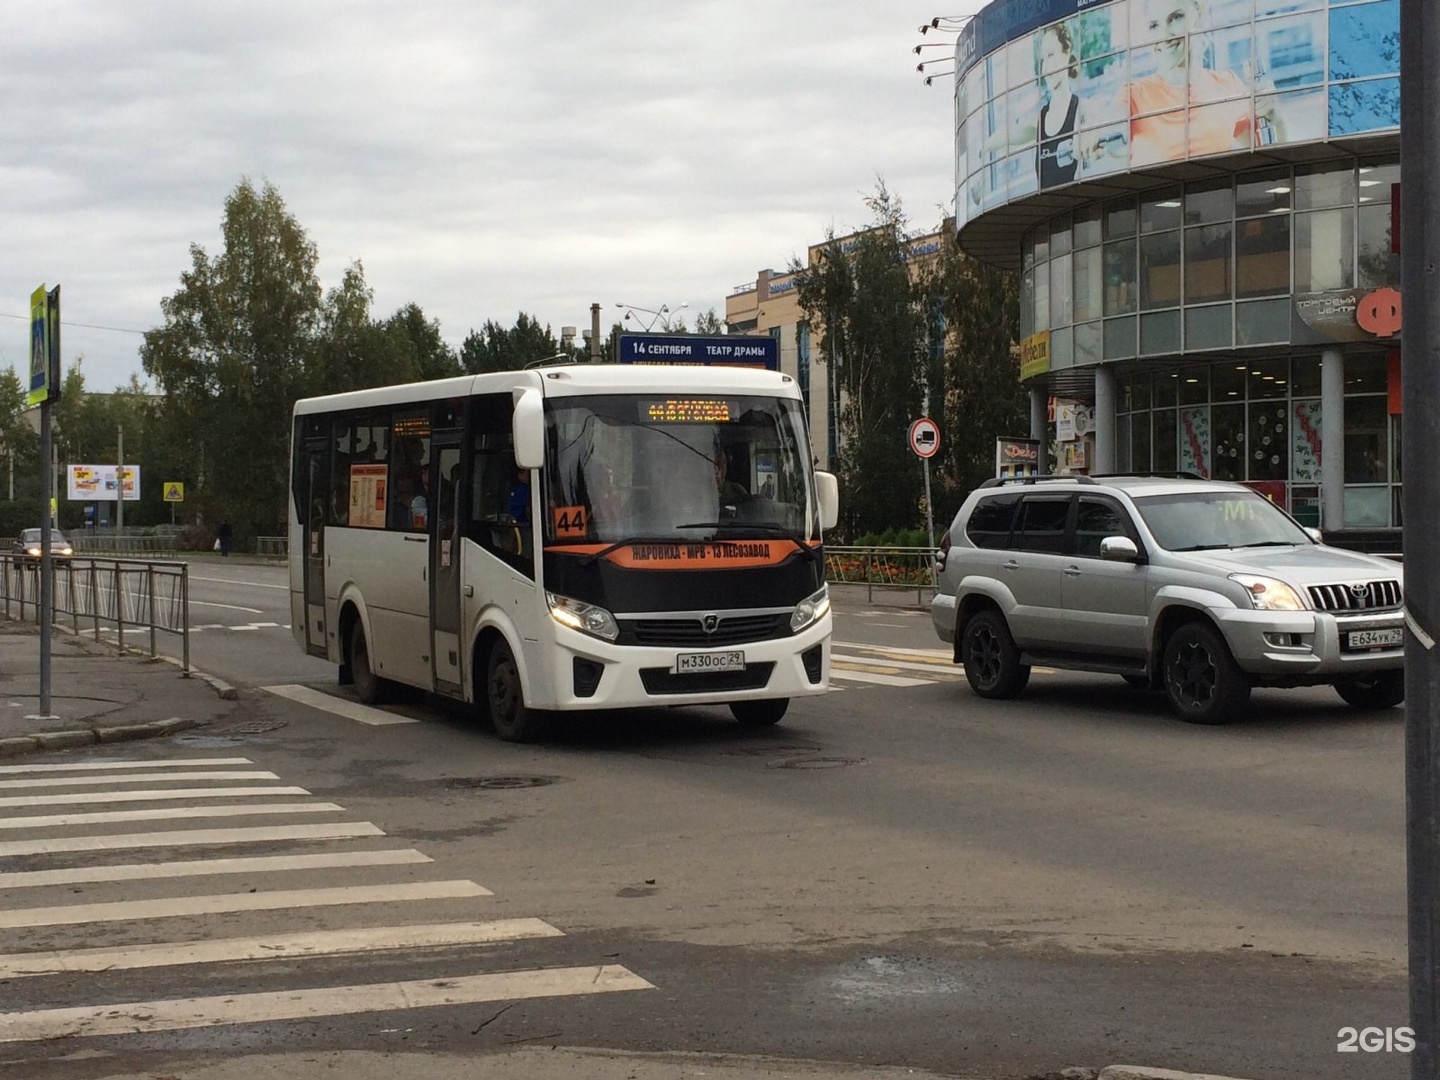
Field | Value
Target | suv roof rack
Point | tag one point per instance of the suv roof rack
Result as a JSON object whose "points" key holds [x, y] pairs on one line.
{"points": [[1001, 481], [1158, 475]]}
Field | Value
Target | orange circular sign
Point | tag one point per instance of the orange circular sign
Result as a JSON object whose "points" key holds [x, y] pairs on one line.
{"points": [[1379, 312]]}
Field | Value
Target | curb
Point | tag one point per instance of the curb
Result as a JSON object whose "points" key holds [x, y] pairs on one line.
{"points": [[1142, 1072], [69, 740]]}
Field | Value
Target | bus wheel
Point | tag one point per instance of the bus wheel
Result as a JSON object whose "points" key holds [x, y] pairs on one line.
{"points": [[759, 713], [511, 720], [368, 685]]}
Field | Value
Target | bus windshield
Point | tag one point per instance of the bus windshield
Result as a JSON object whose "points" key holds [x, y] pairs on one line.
{"points": [[652, 467]]}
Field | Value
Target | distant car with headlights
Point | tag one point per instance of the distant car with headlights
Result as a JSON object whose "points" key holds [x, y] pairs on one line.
{"points": [[28, 544], [1201, 588]]}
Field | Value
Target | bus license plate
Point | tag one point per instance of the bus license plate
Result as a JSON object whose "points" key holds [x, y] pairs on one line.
{"points": [[1375, 639], [691, 663]]}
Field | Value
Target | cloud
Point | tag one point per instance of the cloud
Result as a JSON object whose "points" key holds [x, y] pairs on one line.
{"points": [[481, 158]]}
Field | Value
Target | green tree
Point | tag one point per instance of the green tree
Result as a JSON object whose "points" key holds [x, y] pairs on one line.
{"points": [[495, 348], [982, 396], [874, 334], [415, 348], [232, 355], [709, 324]]}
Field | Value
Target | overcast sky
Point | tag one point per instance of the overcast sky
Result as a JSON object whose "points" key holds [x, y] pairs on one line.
{"points": [[480, 158]]}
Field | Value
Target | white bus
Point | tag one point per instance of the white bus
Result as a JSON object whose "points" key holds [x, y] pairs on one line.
{"points": [[590, 536]]}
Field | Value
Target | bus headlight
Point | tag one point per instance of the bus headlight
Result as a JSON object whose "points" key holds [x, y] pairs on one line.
{"points": [[587, 618], [813, 607]]}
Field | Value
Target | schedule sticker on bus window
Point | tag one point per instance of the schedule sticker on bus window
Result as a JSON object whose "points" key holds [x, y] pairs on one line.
{"points": [[367, 495], [689, 411]]}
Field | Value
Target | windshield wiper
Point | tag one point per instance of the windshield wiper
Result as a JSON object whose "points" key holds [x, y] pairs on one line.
{"points": [[762, 526], [1202, 547], [1272, 543]]}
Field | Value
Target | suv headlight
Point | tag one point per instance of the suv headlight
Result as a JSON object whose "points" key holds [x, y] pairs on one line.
{"points": [[1268, 594], [811, 608], [587, 618]]}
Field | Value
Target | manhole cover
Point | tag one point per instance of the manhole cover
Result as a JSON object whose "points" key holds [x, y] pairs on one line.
{"points": [[817, 763], [251, 727], [207, 740], [493, 783], [768, 751]]}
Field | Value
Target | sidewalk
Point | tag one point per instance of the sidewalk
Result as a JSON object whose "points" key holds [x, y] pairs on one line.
{"points": [[96, 694]]}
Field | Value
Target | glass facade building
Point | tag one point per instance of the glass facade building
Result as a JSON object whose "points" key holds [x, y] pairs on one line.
{"points": [[1201, 203]]}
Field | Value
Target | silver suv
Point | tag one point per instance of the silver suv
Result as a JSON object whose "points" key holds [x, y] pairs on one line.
{"points": [[1202, 588]]}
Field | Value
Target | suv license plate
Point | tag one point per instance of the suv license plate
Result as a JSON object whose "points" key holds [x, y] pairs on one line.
{"points": [[1375, 639], [690, 663]]}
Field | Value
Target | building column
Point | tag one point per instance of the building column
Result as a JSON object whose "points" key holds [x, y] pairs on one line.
{"points": [[1040, 427], [1332, 440], [1104, 420]]}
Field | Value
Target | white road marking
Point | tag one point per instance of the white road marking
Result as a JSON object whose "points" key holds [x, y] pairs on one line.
{"points": [[274, 946], [162, 813], [138, 1017], [97, 766], [227, 607], [75, 798], [226, 903], [886, 662], [350, 710], [872, 677], [191, 838], [246, 584], [255, 864], [93, 781], [896, 651]]}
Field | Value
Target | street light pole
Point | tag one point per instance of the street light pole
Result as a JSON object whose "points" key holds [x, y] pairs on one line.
{"points": [[662, 316]]}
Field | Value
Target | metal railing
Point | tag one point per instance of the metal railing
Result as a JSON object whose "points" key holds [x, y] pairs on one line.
{"points": [[273, 546], [885, 568], [128, 596], [108, 543]]}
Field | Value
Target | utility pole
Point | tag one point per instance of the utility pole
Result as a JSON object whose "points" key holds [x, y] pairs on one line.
{"points": [[594, 333], [1420, 346], [120, 480]]}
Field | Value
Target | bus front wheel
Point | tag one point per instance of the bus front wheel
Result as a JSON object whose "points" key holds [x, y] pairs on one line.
{"points": [[509, 716], [759, 713], [368, 685]]}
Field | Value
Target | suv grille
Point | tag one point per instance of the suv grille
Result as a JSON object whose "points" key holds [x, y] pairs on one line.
{"points": [[1356, 596], [735, 630]]}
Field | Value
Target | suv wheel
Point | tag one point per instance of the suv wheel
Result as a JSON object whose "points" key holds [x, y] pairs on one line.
{"points": [[992, 662], [1377, 690], [1202, 680]]}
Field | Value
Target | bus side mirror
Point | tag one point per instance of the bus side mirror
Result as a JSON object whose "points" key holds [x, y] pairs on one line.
{"points": [[529, 429], [827, 490]]}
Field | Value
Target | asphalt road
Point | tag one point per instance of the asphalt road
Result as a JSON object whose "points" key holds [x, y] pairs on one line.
{"points": [[900, 874]]}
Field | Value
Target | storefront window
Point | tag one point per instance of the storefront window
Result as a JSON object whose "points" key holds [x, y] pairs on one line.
{"points": [[1320, 186], [1087, 227], [1367, 441], [1060, 292], [1269, 379], [1209, 203], [1195, 386], [1160, 212], [1119, 278], [1227, 440], [1305, 376], [1266, 192], [1207, 263], [1378, 264], [1366, 375], [1027, 303], [1059, 235], [1163, 390], [1262, 257], [1119, 219], [1137, 393], [1324, 251], [1227, 382], [1160, 270], [1164, 454], [1042, 297], [1140, 442], [1089, 284], [1268, 441]]}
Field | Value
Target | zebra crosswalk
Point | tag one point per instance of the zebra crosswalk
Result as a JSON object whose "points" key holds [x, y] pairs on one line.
{"points": [[162, 911], [855, 664]]}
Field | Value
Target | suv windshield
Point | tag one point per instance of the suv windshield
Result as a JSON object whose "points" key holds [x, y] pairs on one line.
{"points": [[1202, 520], [623, 467]]}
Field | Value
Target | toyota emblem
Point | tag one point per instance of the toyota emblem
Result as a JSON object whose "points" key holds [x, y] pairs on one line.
{"points": [[1360, 590], [710, 623]]}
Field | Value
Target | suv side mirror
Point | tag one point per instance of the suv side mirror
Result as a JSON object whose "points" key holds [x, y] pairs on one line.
{"points": [[827, 492], [1119, 549], [1315, 534]]}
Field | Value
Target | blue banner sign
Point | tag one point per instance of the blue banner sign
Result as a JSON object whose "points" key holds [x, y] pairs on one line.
{"points": [[736, 350]]}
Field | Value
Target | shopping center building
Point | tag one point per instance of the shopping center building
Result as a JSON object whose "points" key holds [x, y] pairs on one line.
{"points": [[1202, 202]]}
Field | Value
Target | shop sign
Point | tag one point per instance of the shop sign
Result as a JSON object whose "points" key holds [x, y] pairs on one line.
{"points": [[1345, 315], [1035, 354]]}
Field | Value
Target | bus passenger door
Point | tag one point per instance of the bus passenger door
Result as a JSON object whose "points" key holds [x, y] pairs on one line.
{"points": [[445, 561], [312, 524]]}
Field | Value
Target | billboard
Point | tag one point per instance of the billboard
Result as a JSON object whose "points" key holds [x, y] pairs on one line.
{"points": [[734, 350], [97, 483], [1138, 83]]}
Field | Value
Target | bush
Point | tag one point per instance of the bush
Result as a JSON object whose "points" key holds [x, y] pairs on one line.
{"points": [[893, 537]]}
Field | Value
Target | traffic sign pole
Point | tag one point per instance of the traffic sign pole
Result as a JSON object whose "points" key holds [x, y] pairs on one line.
{"points": [[924, 438]]}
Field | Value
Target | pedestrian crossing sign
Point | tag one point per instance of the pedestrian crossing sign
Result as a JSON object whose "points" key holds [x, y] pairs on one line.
{"points": [[174, 492]]}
